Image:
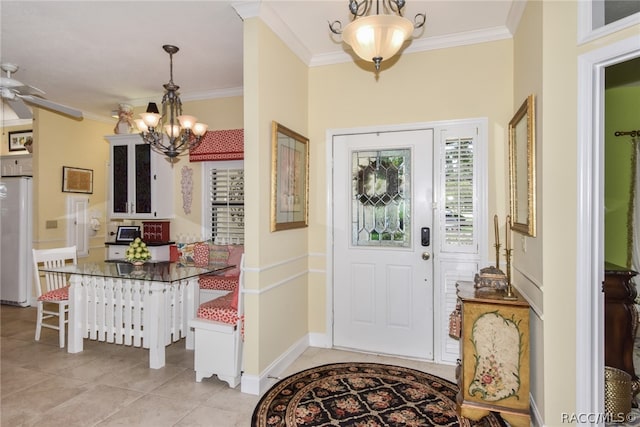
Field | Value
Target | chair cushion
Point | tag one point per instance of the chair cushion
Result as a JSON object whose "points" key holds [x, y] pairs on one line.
{"points": [[60, 294], [219, 310], [217, 282], [235, 255]]}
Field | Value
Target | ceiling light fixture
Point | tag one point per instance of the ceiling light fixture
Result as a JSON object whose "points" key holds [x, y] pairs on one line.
{"points": [[380, 36], [181, 132]]}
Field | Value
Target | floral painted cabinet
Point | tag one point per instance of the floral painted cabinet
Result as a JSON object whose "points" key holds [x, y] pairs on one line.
{"points": [[493, 374]]}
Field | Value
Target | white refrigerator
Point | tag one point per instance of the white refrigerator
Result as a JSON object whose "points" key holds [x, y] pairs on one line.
{"points": [[16, 235]]}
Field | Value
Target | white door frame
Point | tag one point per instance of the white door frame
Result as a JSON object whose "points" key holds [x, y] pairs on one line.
{"points": [[78, 224], [327, 340], [590, 221]]}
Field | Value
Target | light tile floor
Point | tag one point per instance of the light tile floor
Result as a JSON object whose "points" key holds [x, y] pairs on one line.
{"points": [[112, 385]]}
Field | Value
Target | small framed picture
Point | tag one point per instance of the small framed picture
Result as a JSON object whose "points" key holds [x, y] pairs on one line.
{"points": [[127, 233], [77, 180], [20, 140]]}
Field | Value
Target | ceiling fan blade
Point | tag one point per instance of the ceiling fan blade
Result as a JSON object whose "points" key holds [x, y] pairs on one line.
{"points": [[58, 108], [28, 90], [20, 108]]}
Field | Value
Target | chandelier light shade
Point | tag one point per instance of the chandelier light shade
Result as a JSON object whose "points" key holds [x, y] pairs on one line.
{"points": [[374, 37], [170, 133]]}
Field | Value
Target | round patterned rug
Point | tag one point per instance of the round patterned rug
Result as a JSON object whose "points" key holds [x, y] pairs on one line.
{"points": [[362, 395]]}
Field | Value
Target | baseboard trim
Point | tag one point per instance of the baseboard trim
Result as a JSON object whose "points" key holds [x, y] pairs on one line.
{"points": [[258, 384]]}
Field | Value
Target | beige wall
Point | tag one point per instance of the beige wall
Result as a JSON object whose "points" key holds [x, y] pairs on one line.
{"points": [[219, 114], [546, 63], [60, 141], [527, 251], [4, 146], [275, 86], [284, 302], [457, 83]]}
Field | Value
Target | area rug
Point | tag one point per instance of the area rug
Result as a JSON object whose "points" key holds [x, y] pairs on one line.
{"points": [[362, 395]]}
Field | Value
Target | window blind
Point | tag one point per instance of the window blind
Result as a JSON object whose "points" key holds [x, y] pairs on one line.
{"points": [[459, 192], [227, 205]]}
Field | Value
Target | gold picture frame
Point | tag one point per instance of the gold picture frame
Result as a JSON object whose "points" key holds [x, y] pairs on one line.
{"points": [[77, 180], [289, 179], [522, 168]]}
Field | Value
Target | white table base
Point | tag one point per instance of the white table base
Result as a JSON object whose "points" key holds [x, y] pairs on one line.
{"points": [[131, 312]]}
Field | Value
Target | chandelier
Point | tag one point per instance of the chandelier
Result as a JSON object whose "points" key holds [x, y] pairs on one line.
{"points": [[181, 132], [380, 36]]}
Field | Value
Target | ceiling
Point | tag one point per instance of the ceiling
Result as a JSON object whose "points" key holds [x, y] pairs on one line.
{"points": [[93, 55]]}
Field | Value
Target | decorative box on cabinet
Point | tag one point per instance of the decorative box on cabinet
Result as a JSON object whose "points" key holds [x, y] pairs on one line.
{"points": [[140, 180], [493, 375]]}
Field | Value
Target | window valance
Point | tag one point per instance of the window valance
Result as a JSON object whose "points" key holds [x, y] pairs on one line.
{"points": [[219, 145]]}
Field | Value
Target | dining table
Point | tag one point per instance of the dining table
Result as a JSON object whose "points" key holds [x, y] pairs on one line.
{"points": [[146, 306]]}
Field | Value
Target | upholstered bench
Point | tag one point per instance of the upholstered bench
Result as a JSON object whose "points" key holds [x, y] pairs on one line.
{"points": [[218, 284], [218, 329]]}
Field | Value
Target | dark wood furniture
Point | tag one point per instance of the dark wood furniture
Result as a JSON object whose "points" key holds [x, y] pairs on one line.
{"points": [[620, 319], [493, 371]]}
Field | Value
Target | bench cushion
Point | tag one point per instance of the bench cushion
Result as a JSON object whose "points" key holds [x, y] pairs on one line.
{"points": [[219, 310], [219, 283]]}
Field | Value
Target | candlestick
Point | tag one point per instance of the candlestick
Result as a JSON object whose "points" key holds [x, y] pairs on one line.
{"points": [[495, 226], [507, 244], [509, 294]]}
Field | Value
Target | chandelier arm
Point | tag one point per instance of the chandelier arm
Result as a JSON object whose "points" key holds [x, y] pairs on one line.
{"points": [[395, 5], [335, 27], [360, 8], [419, 20], [172, 123]]}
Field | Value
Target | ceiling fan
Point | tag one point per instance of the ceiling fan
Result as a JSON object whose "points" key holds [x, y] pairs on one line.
{"points": [[17, 94]]}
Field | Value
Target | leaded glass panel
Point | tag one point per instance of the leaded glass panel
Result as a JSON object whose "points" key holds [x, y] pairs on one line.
{"points": [[381, 198]]}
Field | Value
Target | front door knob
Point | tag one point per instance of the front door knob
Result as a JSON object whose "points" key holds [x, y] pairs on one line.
{"points": [[426, 256]]}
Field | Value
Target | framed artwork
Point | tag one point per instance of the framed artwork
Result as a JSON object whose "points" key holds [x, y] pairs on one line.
{"points": [[289, 179], [20, 140], [522, 168], [77, 180], [127, 233]]}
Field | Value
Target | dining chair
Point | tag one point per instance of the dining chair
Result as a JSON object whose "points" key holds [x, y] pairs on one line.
{"points": [[54, 290]]}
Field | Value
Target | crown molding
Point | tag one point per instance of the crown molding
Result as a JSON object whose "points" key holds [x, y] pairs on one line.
{"points": [[431, 43], [515, 14], [282, 30]]}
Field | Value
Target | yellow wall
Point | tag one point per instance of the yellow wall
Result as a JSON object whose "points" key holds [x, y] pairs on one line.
{"points": [[219, 114], [457, 83], [527, 251], [275, 86], [546, 64], [58, 142], [4, 146]]}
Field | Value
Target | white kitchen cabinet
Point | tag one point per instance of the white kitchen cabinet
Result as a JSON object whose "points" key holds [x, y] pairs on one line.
{"points": [[140, 180], [17, 165]]}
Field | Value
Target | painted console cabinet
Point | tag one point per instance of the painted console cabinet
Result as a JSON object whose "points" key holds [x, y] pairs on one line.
{"points": [[493, 370]]}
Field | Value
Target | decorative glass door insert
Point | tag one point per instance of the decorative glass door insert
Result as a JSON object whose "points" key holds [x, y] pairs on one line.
{"points": [[381, 198]]}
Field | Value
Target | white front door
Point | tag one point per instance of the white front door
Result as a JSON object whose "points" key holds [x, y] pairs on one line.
{"points": [[383, 285]]}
